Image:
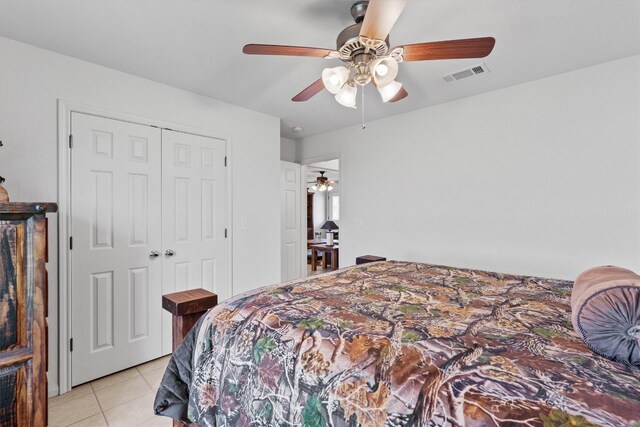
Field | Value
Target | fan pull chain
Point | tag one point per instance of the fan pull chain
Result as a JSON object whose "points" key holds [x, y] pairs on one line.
{"points": [[362, 102]]}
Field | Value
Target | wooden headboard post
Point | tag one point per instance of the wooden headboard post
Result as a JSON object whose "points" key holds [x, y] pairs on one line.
{"points": [[186, 308]]}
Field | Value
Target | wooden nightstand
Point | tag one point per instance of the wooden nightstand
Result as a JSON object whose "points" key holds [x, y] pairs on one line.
{"points": [[364, 259], [333, 250]]}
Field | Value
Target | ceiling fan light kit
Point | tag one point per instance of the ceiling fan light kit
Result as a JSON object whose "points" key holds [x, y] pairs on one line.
{"points": [[389, 91], [366, 68], [347, 95], [384, 70], [364, 48], [334, 78], [322, 183]]}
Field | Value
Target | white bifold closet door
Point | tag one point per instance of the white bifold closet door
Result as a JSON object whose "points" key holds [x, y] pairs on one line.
{"points": [[148, 217], [116, 283], [194, 217]]}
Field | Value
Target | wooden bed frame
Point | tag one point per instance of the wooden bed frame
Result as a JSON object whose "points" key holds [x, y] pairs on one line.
{"points": [[186, 308]]}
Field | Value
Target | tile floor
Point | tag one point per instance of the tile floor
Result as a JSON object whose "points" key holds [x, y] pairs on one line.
{"points": [[320, 270], [124, 399]]}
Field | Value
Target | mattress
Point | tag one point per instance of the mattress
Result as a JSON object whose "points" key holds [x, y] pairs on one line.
{"points": [[397, 343]]}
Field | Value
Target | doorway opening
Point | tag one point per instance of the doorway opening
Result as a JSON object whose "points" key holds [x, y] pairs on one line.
{"points": [[323, 216]]}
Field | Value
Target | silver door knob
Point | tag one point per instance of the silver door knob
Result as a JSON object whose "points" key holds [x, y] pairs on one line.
{"points": [[169, 252], [154, 254]]}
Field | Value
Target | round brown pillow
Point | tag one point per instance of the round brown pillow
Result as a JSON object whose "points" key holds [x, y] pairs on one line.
{"points": [[605, 311]]}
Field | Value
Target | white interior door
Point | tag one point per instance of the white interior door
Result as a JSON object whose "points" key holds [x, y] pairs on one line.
{"points": [[194, 217], [291, 221], [115, 223]]}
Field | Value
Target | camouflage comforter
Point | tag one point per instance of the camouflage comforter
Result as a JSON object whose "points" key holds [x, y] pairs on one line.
{"points": [[398, 343]]}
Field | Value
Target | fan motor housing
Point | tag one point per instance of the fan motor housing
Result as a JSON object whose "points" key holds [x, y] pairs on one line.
{"points": [[358, 10], [348, 43]]}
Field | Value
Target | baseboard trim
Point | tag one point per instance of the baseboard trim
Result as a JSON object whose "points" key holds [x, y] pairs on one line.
{"points": [[53, 391]]}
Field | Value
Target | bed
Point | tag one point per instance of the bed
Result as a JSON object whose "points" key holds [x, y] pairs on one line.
{"points": [[397, 343]]}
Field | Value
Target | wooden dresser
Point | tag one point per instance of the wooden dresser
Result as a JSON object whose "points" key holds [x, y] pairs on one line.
{"points": [[23, 312]]}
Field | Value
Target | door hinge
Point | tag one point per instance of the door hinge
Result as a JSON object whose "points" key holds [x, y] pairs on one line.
{"points": [[70, 141], [225, 160], [71, 344], [225, 233], [70, 242]]}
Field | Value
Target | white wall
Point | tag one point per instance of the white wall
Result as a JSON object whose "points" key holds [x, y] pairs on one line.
{"points": [[31, 82], [541, 178], [288, 150], [319, 210]]}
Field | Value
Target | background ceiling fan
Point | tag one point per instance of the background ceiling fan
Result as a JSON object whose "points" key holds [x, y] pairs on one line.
{"points": [[322, 183], [365, 49]]}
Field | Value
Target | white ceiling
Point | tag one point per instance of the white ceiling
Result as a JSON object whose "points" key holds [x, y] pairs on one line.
{"points": [[330, 167], [196, 45]]}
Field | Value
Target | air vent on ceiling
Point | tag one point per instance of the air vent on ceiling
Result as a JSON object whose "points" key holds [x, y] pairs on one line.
{"points": [[463, 74]]}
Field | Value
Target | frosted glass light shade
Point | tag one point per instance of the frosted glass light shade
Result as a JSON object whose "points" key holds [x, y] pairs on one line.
{"points": [[347, 95], [389, 91], [383, 70], [334, 78]]}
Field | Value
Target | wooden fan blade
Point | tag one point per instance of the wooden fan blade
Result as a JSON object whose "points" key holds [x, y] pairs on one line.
{"points": [[400, 95], [380, 17], [274, 49], [449, 49], [309, 91]]}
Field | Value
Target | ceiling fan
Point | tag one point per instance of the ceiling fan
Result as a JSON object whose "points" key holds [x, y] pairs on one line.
{"points": [[364, 48], [322, 183]]}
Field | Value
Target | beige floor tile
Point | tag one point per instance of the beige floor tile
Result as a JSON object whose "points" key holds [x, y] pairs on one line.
{"points": [[157, 422], [73, 411], [131, 413], [320, 270], [154, 364], [114, 379], [153, 378], [122, 392], [75, 392], [95, 421]]}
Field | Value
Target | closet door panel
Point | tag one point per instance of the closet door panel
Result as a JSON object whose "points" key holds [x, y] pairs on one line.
{"points": [[115, 224], [194, 215]]}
